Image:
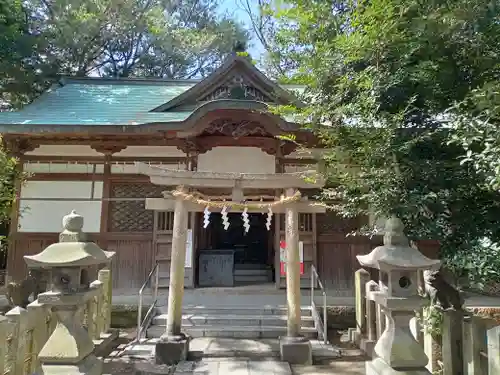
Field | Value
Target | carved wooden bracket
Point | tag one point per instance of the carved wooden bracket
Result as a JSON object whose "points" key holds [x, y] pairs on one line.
{"points": [[288, 147], [19, 146], [236, 129], [108, 148], [188, 146]]}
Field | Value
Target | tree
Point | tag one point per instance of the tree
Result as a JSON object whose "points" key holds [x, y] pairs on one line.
{"points": [[475, 123], [381, 76], [121, 38], [18, 62]]}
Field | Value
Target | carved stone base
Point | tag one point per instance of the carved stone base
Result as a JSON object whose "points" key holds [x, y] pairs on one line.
{"points": [[169, 352], [379, 367], [296, 350], [91, 365]]}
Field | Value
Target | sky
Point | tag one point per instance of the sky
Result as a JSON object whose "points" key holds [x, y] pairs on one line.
{"points": [[231, 6]]}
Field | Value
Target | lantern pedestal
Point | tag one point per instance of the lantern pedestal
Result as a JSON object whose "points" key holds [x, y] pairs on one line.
{"points": [[69, 350], [379, 367]]}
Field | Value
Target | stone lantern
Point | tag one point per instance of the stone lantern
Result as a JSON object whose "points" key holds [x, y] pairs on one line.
{"points": [[69, 349], [397, 351]]}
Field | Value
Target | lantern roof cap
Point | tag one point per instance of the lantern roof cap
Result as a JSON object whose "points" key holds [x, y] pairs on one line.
{"points": [[72, 250], [396, 253]]}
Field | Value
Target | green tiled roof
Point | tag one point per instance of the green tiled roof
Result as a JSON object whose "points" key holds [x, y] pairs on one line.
{"points": [[103, 102]]}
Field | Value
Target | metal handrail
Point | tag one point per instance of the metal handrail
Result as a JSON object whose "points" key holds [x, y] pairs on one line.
{"points": [[321, 325], [141, 324]]}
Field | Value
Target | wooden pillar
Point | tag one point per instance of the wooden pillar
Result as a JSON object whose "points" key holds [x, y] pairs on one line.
{"points": [[292, 267], [105, 205], [14, 224], [279, 168], [315, 241], [178, 258], [277, 239]]}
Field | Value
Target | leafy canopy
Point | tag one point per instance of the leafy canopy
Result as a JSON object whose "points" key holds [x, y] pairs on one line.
{"points": [[381, 77]]}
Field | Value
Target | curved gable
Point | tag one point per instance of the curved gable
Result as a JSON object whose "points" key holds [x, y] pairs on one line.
{"points": [[236, 79]]}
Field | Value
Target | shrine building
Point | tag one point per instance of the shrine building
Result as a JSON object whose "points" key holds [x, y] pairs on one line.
{"points": [[112, 149]]}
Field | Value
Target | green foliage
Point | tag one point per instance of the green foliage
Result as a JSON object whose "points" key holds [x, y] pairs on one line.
{"points": [[10, 174], [432, 320], [381, 77], [475, 128], [479, 267]]}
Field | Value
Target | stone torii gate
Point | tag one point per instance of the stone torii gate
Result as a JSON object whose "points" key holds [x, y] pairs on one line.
{"points": [[173, 345]]}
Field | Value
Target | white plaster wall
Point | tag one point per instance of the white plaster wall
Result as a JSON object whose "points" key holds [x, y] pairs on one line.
{"points": [[155, 151], [237, 160], [35, 168], [46, 216], [121, 168], [64, 150]]}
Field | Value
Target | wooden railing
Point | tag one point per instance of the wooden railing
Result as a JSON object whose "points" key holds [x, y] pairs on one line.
{"points": [[24, 332]]}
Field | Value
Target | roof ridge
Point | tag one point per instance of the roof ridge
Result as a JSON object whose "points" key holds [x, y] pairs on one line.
{"points": [[64, 80]]}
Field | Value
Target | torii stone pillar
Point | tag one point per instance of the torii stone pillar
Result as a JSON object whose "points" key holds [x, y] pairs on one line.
{"points": [[294, 348], [173, 345]]}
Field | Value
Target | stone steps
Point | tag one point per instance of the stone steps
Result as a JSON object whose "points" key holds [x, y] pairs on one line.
{"points": [[235, 322], [252, 274], [194, 320], [265, 332], [238, 310]]}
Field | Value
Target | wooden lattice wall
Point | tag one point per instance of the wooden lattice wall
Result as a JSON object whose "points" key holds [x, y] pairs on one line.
{"points": [[131, 215]]}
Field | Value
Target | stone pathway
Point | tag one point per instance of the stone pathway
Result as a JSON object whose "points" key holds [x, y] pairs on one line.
{"points": [[233, 366], [338, 368], [221, 356]]}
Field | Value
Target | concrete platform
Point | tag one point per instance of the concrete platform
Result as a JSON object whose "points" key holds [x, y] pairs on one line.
{"points": [[244, 296], [262, 295]]}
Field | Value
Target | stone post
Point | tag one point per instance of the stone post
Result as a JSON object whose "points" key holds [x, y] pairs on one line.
{"points": [[37, 314], [433, 349], [361, 278], [4, 332], [371, 319], [473, 342], [173, 345], [294, 348], [98, 309], [93, 312], [17, 318], [494, 350], [452, 342], [105, 276]]}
